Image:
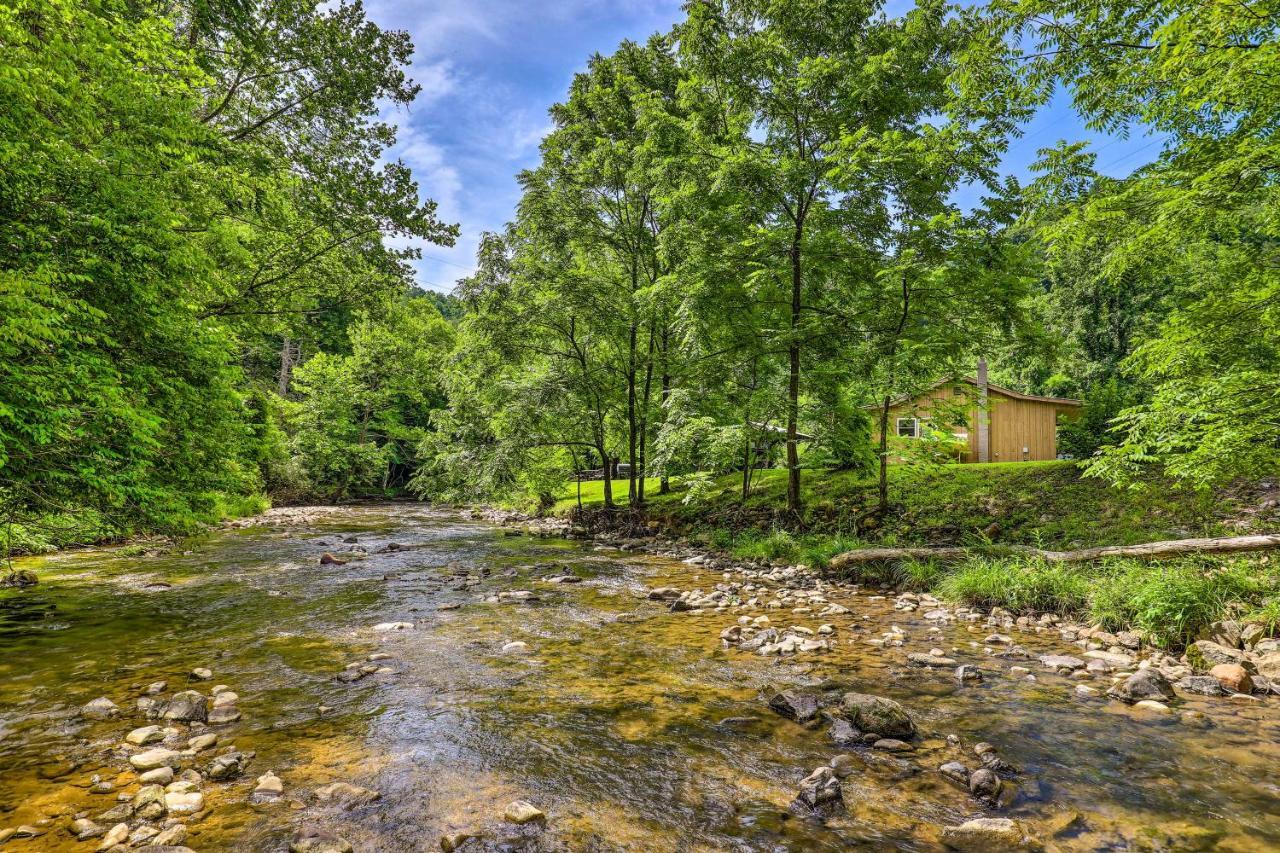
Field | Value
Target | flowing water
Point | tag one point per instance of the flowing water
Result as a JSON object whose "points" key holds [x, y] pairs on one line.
{"points": [[611, 722]]}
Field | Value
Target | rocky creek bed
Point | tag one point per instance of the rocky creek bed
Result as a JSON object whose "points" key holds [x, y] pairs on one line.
{"points": [[397, 678]]}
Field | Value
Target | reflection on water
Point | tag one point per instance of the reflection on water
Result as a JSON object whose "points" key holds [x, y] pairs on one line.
{"points": [[612, 726]]}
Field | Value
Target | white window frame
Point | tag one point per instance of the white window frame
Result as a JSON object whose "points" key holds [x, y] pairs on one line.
{"points": [[897, 427]]}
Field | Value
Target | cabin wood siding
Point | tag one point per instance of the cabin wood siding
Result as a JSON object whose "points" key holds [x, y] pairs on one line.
{"points": [[1014, 424]]}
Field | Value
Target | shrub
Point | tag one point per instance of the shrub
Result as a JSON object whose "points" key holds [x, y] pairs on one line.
{"points": [[1172, 603]]}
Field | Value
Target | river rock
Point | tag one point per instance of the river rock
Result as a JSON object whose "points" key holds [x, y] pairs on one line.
{"points": [[201, 673], [269, 788], [1204, 655], [153, 758], [1062, 662], [311, 839], [1268, 664], [345, 794], [968, 674], [1225, 633], [327, 559], [985, 835], [921, 659], [877, 714], [664, 593], [115, 835], [101, 708], [187, 706], [522, 812], [1233, 677], [202, 742], [20, 578], [171, 837], [145, 735], [844, 765], [148, 803], [955, 772], [228, 766], [1147, 683], [889, 744], [224, 713], [842, 733], [184, 802], [1112, 659], [454, 841], [158, 776], [795, 705], [84, 829], [820, 789], [393, 626], [984, 784], [1205, 685]]}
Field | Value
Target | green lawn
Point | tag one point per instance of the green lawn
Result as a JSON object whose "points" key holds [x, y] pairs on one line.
{"points": [[1031, 503]]}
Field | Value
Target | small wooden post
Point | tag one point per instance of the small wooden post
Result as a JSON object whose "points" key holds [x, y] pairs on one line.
{"points": [[984, 423]]}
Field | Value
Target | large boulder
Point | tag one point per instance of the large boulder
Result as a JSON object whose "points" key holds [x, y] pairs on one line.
{"points": [[1204, 655], [986, 835], [1148, 683], [876, 714]]}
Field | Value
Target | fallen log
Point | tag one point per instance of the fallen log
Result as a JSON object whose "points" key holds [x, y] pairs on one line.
{"points": [[1145, 551]]}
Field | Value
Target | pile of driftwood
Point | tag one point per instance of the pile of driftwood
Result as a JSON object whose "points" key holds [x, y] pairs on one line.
{"points": [[1147, 551]]}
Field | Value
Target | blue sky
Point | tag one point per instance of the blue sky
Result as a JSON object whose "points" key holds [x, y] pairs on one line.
{"points": [[490, 69]]}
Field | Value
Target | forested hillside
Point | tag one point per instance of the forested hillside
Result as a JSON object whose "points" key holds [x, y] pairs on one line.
{"points": [[744, 238], [193, 197]]}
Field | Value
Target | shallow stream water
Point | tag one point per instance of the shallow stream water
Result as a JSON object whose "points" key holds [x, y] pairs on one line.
{"points": [[610, 722]]}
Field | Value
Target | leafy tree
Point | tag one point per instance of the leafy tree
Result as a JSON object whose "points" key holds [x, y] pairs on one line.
{"points": [[1201, 217]]}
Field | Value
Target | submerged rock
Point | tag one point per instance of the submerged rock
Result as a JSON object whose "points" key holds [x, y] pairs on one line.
{"points": [[522, 812], [312, 839], [345, 794], [986, 835]]}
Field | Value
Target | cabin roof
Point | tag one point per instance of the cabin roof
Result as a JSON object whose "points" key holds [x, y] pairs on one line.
{"points": [[992, 388]]}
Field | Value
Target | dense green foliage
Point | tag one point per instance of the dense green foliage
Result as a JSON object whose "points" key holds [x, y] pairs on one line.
{"points": [[180, 183]]}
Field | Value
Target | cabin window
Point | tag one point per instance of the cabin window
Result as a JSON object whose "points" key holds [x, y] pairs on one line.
{"points": [[909, 427]]}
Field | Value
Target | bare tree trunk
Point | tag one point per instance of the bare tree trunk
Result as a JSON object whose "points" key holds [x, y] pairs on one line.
{"points": [[884, 455], [286, 366], [1145, 551], [645, 397], [793, 382], [631, 419], [608, 475], [664, 486]]}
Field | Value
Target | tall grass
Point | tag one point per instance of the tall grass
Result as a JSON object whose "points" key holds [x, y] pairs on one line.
{"points": [[1018, 584], [1174, 602]]}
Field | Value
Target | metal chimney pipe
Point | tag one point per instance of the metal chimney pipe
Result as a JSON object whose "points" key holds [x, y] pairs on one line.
{"points": [[984, 422]]}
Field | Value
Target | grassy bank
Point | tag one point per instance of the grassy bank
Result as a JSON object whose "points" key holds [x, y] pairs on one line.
{"points": [[1043, 504]]}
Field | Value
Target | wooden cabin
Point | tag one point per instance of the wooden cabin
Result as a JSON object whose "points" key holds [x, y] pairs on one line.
{"points": [[995, 424]]}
